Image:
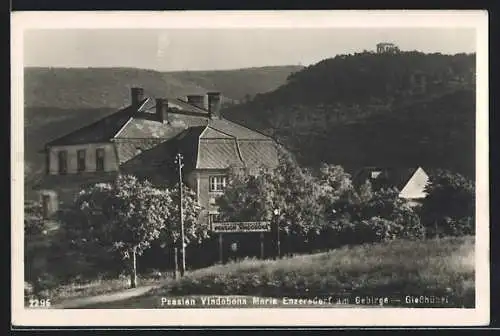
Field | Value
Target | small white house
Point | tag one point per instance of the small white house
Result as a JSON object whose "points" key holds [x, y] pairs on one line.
{"points": [[410, 181]]}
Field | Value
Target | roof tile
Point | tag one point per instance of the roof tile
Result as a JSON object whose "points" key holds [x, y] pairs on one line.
{"points": [[258, 153], [218, 154], [236, 130]]}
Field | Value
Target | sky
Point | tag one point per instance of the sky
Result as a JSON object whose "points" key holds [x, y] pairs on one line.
{"points": [[217, 49]]}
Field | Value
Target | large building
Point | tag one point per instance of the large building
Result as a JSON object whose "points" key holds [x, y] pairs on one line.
{"points": [[144, 138]]}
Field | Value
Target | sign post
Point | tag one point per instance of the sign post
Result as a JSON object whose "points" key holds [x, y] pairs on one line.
{"points": [[220, 249], [278, 242], [262, 245], [176, 263], [239, 227], [178, 159], [234, 227]]}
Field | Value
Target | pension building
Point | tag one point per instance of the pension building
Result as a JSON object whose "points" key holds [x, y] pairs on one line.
{"points": [[143, 139]]}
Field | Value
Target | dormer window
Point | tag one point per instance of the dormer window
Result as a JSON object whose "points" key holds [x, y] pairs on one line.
{"points": [[375, 174]]}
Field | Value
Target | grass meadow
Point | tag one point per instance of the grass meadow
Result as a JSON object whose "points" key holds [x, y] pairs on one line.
{"points": [[436, 267]]}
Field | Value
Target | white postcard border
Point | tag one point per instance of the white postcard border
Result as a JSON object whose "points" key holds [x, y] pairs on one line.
{"points": [[302, 317]]}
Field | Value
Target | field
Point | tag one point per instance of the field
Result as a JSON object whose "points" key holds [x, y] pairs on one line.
{"points": [[441, 268]]}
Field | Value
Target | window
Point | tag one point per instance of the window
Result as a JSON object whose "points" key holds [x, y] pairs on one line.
{"points": [[81, 160], [217, 183], [375, 174], [99, 159], [63, 162]]}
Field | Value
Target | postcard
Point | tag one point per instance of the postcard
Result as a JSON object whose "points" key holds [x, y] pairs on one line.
{"points": [[250, 168]]}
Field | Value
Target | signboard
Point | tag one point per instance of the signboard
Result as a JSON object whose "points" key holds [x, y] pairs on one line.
{"points": [[223, 227]]}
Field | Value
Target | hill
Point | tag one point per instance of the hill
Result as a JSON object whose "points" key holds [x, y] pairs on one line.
{"points": [[73, 88], [370, 109]]}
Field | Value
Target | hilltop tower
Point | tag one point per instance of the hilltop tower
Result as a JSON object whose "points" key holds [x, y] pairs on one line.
{"points": [[385, 47]]}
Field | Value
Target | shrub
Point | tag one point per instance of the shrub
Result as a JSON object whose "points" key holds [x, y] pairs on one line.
{"points": [[449, 206], [448, 226], [409, 221]]}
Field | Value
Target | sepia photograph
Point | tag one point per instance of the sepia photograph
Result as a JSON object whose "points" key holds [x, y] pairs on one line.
{"points": [[246, 168]]}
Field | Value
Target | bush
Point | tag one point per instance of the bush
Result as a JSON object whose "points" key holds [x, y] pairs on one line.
{"points": [[43, 284], [404, 224], [449, 206], [448, 226], [409, 221], [378, 229]]}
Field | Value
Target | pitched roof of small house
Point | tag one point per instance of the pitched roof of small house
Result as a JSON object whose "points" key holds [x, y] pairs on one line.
{"points": [[389, 177]]}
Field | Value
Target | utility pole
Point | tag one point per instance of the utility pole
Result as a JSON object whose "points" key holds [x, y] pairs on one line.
{"points": [[178, 160], [278, 242]]}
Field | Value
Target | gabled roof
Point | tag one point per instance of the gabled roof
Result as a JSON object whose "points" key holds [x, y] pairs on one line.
{"points": [[258, 153], [218, 154], [99, 131], [206, 143], [209, 148], [140, 123], [141, 128], [236, 130], [389, 177]]}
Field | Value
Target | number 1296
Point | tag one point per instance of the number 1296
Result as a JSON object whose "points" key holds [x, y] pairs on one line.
{"points": [[39, 303]]}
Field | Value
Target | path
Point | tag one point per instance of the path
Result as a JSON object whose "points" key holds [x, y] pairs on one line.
{"points": [[104, 298]]}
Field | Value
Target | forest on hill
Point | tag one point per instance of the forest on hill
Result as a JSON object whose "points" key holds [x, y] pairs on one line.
{"points": [[367, 109], [72, 88]]}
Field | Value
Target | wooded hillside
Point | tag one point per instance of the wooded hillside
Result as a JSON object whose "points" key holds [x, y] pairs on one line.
{"points": [[403, 109]]}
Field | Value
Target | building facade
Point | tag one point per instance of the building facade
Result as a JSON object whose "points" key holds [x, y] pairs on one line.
{"points": [[143, 139], [385, 47]]}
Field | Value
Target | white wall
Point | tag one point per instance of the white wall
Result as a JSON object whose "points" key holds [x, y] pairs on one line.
{"points": [[415, 188]]}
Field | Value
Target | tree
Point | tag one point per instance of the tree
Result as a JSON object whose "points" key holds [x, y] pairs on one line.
{"points": [[125, 216], [287, 188], [366, 216], [36, 245], [450, 204], [298, 195], [247, 197], [334, 181], [193, 231], [33, 219]]}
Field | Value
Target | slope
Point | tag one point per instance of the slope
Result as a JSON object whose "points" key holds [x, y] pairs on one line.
{"points": [[374, 109], [108, 87]]}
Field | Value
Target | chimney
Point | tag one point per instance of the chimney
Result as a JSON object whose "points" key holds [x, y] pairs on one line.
{"points": [[162, 110], [136, 96], [197, 100], [214, 104]]}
